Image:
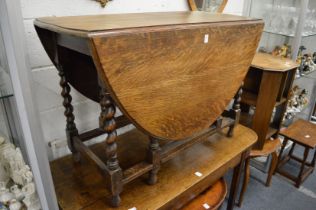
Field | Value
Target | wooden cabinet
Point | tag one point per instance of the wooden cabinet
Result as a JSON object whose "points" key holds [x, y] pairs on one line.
{"points": [[265, 95]]}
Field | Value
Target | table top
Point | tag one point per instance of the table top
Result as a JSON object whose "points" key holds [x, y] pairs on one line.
{"points": [[81, 186], [269, 62], [172, 74], [96, 23], [302, 132]]}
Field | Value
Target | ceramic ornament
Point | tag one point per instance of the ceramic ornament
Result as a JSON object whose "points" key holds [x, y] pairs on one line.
{"points": [[21, 193]]}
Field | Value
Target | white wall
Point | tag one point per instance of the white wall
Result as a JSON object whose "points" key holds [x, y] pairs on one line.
{"points": [[45, 75]]}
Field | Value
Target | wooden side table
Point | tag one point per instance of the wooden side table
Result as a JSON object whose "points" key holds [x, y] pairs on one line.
{"points": [[266, 87], [303, 133]]}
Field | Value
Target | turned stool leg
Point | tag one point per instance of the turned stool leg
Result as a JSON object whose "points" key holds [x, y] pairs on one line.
{"points": [[299, 179], [274, 162], [292, 149], [245, 181], [154, 158], [71, 129], [107, 122], [314, 160], [236, 109], [281, 152]]}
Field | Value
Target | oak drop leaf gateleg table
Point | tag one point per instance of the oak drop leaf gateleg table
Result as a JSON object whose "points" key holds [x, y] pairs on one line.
{"points": [[171, 75]]}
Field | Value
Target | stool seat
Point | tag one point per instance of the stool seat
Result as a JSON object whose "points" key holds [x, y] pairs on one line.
{"points": [[269, 147], [302, 132]]}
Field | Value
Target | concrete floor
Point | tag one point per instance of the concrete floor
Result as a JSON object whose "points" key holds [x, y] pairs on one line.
{"points": [[282, 195]]}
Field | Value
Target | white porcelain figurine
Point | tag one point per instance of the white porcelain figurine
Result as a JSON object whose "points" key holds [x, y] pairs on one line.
{"points": [[17, 188]]}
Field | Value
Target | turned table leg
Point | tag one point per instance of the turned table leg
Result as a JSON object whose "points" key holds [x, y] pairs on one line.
{"points": [[235, 181], [245, 181], [154, 159], [237, 110], [107, 123], [71, 129]]}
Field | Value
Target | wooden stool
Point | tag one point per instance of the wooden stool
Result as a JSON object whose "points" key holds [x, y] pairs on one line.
{"points": [[303, 133], [270, 148], [211, 199]]}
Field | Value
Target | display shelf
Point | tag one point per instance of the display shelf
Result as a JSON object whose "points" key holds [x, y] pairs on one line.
{"points": [[304, 34], [306, 74], [271, 132], [4, 95], [250, 98], [6, 90], [286, 22], [246, 120]]}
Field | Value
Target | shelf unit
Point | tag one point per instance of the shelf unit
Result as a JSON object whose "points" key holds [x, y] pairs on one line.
{"points": [[266, 88], [284, 22], [302, 33]]}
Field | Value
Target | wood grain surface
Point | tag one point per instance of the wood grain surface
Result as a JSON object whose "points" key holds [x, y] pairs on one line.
{"points": [[95, 23], [303, 132], [171, 74], [269, 62], [81, 186], [171, 83]]}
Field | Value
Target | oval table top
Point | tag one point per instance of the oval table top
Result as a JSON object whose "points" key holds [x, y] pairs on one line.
{"points": [[172, 74]]}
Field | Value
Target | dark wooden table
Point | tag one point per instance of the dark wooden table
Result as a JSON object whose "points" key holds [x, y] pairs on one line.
{"points": [[167, 73], [302, 133], [80, 186]]}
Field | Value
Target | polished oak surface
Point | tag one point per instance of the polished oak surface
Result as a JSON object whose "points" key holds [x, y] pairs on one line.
{"points": [[171, 83], [172, 79], [269, 62], [81, 186], [303, 132], [100, 23]]}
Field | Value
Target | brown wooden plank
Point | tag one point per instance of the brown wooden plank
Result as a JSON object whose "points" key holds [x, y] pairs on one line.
{"points": [[269, 88], [175, 85], [80, 186], [95, 23]]}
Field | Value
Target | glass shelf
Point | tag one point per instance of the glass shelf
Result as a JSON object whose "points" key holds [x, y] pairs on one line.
{"points": [[305, 34], [6, 89]]}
